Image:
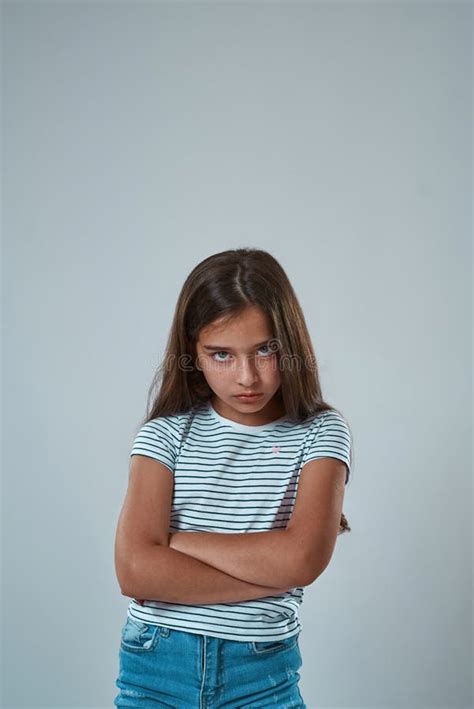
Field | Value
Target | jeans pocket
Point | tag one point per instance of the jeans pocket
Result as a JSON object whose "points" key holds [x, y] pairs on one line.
{"points": [[261, 647], [137, 636]]}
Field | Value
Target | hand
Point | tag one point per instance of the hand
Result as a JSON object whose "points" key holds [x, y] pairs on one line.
{"points": [[175, 540]]}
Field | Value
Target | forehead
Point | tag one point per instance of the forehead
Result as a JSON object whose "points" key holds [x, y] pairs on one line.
{"points": [[252, 323]]}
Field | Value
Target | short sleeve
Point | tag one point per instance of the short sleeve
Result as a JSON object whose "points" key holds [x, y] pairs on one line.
{"points": [[157, 439], [331, 439]]}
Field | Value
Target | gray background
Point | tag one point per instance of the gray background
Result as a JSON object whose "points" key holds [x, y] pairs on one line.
{"points": [[139, 138]]}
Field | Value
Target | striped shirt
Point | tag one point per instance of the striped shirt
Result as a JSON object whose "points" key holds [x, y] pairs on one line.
{"points": [[228, 478]]}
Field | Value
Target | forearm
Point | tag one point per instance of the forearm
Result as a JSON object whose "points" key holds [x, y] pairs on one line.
{"points": [[164, 574], [256, 557]]}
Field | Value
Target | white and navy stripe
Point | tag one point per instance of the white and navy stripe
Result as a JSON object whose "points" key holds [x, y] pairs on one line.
{"points": [[230, 478]]}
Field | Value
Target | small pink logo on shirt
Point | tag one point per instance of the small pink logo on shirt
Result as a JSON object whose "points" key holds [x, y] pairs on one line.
{"points": [[276, 449]]}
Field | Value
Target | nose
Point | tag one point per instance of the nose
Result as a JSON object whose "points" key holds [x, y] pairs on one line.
{"points": [[246, 374]]}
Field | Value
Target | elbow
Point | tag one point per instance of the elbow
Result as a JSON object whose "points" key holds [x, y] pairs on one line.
{"points": [[125, 565], [306, 577], [309, 571], [300, 575], [124, 577], [135, 572], [132, 580]]}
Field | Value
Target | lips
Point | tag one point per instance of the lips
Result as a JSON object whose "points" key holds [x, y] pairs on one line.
{"points": [[246, 399]]}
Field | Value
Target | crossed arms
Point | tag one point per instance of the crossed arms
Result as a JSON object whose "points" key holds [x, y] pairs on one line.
{"points": [[208, 567], [166, 574]]}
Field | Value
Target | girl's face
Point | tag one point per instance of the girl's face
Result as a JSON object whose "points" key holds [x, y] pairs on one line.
{"points": [[235, 358]]}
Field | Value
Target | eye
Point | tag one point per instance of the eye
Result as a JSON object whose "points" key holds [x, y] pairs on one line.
{"points": [[213, 356], [216, 358]]}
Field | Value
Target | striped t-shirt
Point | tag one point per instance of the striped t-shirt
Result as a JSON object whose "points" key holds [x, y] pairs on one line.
{"points": [[228, 478]]}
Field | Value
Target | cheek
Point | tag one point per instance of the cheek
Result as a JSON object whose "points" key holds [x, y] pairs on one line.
{"points": [[269, 369], [212, 370]]}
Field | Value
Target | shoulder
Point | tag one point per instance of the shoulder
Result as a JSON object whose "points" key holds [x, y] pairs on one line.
{"points": [[166, 430], [168, 425], [329, 435], [327, 421], [160, 438]]}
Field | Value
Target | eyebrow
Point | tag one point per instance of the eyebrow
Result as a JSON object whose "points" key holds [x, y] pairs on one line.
{"points": [[229, 349]]}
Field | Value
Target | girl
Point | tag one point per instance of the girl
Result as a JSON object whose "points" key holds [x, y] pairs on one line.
{"points": [[234, 499]]}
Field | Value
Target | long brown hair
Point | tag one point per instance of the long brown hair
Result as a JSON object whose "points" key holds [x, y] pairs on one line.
{"points": [[221, 287]]}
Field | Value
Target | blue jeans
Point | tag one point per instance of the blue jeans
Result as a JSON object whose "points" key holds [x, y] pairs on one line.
{"points": [[163, 667]]}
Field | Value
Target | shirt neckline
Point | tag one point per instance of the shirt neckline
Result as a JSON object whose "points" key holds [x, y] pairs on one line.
{"points": [[242, 426]]}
